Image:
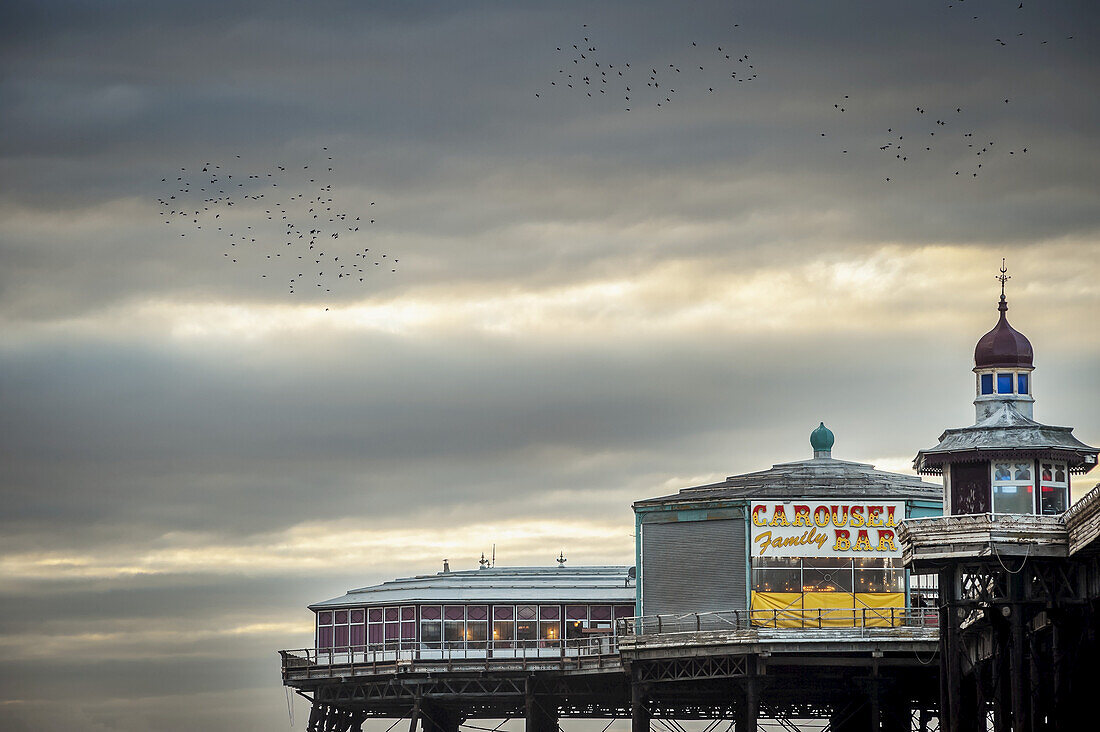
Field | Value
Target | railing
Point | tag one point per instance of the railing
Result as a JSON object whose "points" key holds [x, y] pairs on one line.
{"points": [[796, 618], [392, 654]]}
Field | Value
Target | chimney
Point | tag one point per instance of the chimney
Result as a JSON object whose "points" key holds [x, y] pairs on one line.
{"points": [[446, 567]]}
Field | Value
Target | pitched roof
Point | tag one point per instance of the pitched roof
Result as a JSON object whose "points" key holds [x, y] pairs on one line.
{"points": [[602, 584], [1007, 432], [823, 477]]}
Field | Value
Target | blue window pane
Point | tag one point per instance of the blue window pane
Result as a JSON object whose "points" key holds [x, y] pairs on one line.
{"points": [[1022, 381], [987, 383], [1004, 383]]}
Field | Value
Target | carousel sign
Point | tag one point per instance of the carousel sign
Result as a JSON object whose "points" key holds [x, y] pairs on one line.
{"points": [[834, 528]]}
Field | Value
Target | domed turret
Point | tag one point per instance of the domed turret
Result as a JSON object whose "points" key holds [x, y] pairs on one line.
{"points": [[821, 440], [1004, 346], [1003, 362]]}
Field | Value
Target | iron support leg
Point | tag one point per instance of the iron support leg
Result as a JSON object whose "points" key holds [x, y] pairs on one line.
{"points": [[639, 712]]}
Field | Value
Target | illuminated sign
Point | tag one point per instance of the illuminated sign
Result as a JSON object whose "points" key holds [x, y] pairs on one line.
{"points": [[832, 528]]}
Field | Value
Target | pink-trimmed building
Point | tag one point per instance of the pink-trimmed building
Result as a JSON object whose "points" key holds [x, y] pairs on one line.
{"points": [[492, 611]]}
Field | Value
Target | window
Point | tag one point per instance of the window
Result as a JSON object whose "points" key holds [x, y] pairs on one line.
{"points": [[454, 625], [879, 575], [776, 574], [1004, 383], [1021, 383], [527, 622], [324, 629], [1053, 488], [576, 620], [431, 626], [504, 626], [826, 574], [1013, 488], [550, 622], [987, 383]]}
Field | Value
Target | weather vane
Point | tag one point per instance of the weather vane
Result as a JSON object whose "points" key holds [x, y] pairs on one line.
{"points": [[1003, 277]]}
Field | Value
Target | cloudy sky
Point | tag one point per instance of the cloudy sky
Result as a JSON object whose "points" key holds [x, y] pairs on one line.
{"points": [[592, 305]]}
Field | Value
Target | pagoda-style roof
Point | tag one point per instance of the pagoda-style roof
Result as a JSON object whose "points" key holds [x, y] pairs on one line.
{"points": [[1007, 434], [819, 477]]}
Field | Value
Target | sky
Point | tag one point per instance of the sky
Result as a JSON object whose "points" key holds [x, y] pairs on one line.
{"points": [[596, 299]]}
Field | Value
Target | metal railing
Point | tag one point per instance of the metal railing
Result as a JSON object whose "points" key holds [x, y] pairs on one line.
{"points": [[408, 653], [782, 619]]}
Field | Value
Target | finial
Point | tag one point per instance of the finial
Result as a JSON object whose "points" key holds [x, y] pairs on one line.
{"points": [[561, 560], [483, 562], [1003, 277]]}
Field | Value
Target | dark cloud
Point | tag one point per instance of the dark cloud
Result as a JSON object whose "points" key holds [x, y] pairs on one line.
{"points": [[596, 305]]}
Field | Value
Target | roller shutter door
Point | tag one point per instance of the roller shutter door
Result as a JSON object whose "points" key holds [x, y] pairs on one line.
{"points": [[693, 566]]}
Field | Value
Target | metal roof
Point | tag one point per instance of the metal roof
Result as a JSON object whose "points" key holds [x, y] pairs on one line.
{"points": [[1005, 433], [601, 584], [820, 477]]}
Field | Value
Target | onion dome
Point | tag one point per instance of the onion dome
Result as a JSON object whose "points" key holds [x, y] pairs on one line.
{"points": [[1004, 346], [821, 440]]}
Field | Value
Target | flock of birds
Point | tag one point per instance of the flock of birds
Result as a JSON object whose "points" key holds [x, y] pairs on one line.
{"points": [[585, 71], [285, 222], [921, 135]]}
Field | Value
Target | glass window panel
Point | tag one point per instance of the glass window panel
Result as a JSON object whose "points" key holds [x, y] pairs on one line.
{"points": [[1004, 383], [374, 633], [477, 631], [871, 580], [503, 612], [430, 633], [358, 635], [477, 612], [392, 613], [324, 618], [374, 614], [870, 563], [356, 616], [624, 611], [526, 630], [526, 612], [600, 612], [1022, 471], [1013, 499], [1053, 499], [1021, 383], [777, 580], [341, 616], [340, 637], [454, 612], [777, 562], [408, 612], [549, 630], [429, 612], [393, 631], [1060, 473], [987, 383], [324, 637], [1002, 471], [574, 629], [454, 632], [828, 576], [408, 630], [504, 630], [576, 612], [827, 562], [549, 612]]}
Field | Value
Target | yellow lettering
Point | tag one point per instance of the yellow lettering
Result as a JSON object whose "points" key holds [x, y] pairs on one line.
{"points": [[779, 518], [856, 519], [874, 516], [839, 520], [863, 542], [764, 539], [886, 540], [801, 515], [890, 516], [756, 518], [842, 543], [821, 516]]}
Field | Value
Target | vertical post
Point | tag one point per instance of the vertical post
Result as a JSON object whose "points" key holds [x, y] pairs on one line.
{"points": [[949, 681], [749, 709], [541, 711], [639, 712], [1021, 686]]}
